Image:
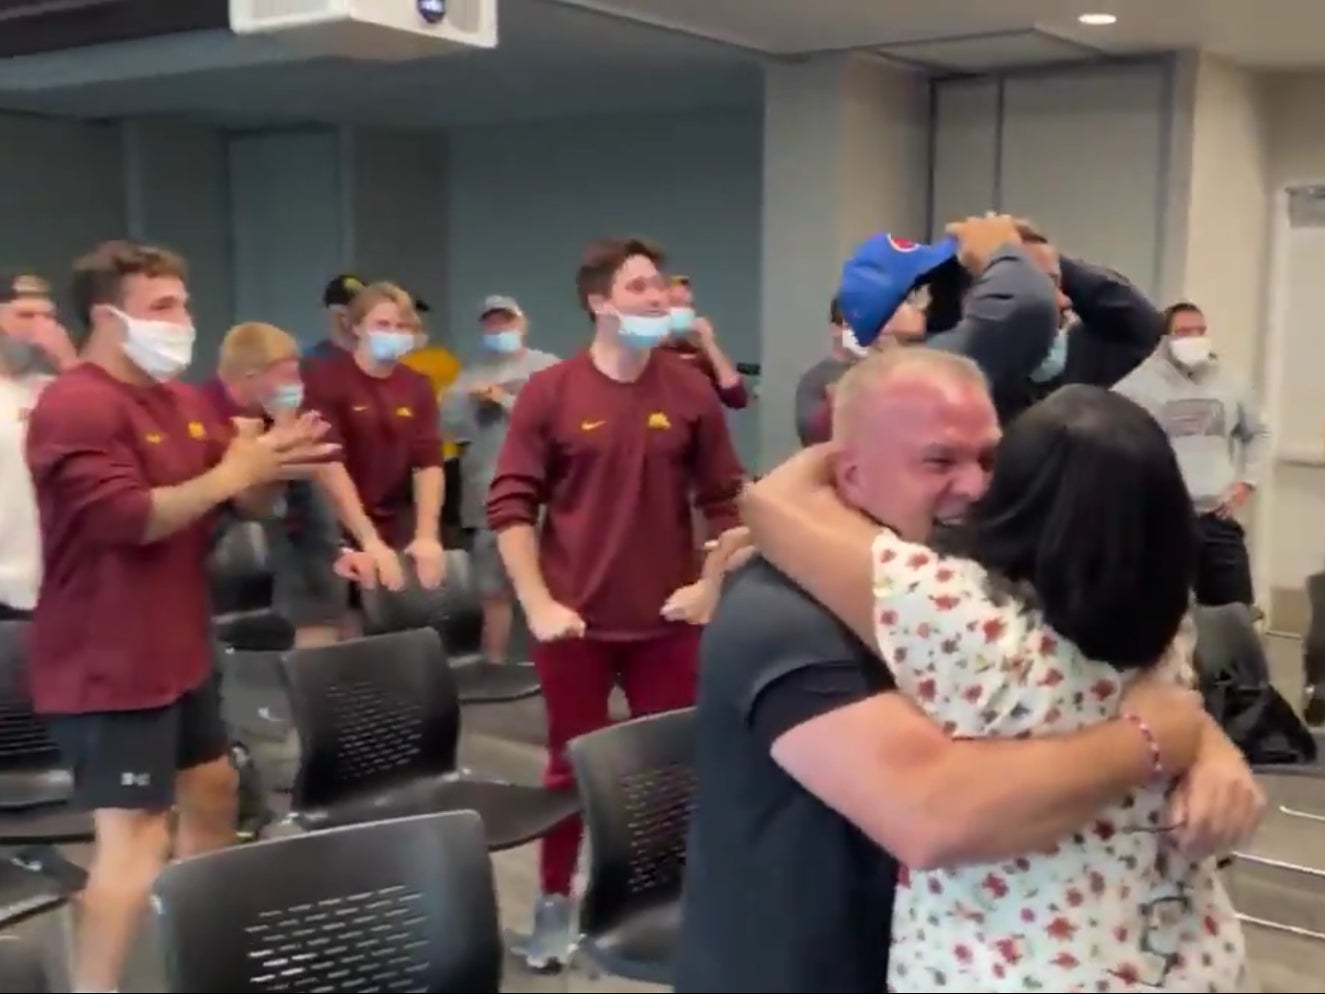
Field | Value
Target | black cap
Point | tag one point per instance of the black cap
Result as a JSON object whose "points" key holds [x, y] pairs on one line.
{"points": [[20, 283], [341, 290]]}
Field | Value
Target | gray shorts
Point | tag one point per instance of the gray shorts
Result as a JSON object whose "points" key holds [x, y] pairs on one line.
{"points": [[304, 546], [490, 577]]}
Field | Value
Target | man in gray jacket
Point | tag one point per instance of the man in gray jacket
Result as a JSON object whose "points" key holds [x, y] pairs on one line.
{"points": [[1008, 318], [1220, 441], [475, 413]]}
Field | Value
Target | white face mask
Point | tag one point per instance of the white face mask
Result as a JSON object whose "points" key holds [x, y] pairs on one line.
{"points": [[161, 349], [1190, 351]]}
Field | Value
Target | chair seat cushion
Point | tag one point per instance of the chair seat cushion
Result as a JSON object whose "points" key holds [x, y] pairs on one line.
{"points": [[641, 946], [261, 629], [24, 893], [512, 814], [54, 823], [483, 682], [26, 789]]}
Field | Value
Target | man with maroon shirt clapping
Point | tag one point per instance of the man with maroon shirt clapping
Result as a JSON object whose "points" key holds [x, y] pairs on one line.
{"points": [[609, 447], [129, 468]]}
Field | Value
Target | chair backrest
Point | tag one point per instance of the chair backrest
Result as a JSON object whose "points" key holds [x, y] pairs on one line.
{"points": [[391, 906], [21, 967], [453, 609], [240, 567], [371, 713], [636, 782], [24, 741]]}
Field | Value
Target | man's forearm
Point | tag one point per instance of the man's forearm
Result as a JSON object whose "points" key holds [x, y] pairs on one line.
{"points": [[429, 492], [175, 508], [995, 800], [335, 482], [727, 545], [518, 545]]}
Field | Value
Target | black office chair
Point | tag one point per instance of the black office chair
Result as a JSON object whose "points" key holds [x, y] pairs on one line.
{"points": [[35, 787], [242, 590], [637, 786], [456, 612], [379, 729], [21, 968], [392, 906]]}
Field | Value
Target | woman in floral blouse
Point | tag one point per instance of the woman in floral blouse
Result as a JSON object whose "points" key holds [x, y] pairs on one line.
{"points": [[1068, 579]]}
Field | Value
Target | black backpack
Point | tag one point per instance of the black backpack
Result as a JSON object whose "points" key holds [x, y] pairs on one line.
{"points": [[1235, 682]]}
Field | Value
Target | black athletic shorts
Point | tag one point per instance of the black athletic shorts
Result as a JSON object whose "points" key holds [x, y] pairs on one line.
{"points": [[129, 759]]}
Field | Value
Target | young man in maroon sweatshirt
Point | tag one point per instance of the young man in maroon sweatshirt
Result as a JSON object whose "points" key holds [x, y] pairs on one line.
{"points": [[608, 447]]}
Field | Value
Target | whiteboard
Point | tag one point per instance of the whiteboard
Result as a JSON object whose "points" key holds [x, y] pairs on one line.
{"points": [[1296, 421]]}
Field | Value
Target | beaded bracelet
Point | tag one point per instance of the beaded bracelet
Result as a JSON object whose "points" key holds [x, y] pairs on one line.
{"points": [[1147, 733]]}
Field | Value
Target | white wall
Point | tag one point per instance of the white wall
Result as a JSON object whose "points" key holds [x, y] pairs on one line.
{"points": [[1081, 151], [845, 155]]}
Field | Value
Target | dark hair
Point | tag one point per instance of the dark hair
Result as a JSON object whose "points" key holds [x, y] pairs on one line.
{"points": [[602, 260], [1030, 233], [835, 312], [1173, 310], [948, 285], [99, 276], [1088, 517]]}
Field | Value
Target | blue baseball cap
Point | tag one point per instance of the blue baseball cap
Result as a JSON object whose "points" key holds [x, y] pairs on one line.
{"points": [[879, 275]]}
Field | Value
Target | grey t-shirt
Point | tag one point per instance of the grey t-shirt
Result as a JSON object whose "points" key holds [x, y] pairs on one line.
{"points": [[812, 420], [483, 424]]}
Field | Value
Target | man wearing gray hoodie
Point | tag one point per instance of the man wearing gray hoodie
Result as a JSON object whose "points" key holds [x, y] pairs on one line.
{"points": [[1219, 438]]}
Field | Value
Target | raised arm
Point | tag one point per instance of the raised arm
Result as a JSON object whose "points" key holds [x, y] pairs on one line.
{"points": [[801, 526]]}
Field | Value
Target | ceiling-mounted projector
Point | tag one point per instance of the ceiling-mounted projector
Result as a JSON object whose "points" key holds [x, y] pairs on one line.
{"points": [[370, 29]]}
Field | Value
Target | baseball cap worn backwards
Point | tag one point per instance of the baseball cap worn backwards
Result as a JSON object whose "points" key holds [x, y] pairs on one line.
{"points": [[879, 275]]}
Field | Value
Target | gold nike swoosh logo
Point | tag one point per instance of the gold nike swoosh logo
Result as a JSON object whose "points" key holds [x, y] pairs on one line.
{"points": [[591, 425]]}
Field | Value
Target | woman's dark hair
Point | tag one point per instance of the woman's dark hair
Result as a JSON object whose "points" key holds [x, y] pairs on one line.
{"points": [[1087, 508]]}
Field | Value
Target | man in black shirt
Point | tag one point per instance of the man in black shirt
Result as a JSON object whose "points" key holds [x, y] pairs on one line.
{"points": [[813, 770]]}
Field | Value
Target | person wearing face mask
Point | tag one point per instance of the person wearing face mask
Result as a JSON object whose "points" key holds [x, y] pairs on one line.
{"points": [[694, 341], [441, 366], [476, 412], [1006, 317], [30, 337], [815, 388], [258, 376], [1107, 327], [130, 468], [1220, 439], [336, 297], [384, 414], [591, 506]]}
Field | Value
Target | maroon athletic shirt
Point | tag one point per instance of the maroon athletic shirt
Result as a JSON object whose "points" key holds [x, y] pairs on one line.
{"points": [[613, 466]]}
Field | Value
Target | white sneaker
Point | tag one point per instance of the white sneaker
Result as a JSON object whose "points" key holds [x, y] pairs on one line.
{"points": [[548, 947]]}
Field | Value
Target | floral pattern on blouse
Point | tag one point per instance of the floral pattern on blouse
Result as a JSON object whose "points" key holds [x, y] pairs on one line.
{"points": [[1113, 907]]}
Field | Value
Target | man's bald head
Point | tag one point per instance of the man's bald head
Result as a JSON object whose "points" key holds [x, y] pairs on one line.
{"points": [[917, 429]]}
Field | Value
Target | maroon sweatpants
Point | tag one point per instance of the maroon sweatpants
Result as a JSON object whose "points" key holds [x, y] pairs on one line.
{"points": [[577, 675]]}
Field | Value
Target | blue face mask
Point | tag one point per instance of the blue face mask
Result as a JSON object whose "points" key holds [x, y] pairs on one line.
{"points": [[285, 397], [682, 319], [641, 332], [389, 346], [1052, 366], [502, 342]]}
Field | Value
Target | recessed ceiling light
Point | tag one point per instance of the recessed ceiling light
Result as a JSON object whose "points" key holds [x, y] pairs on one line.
{"points": [[1097, 20]]}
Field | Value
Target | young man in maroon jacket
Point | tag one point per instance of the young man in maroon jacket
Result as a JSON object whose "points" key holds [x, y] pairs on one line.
{"points": [[129, 468], [608, 447]]}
